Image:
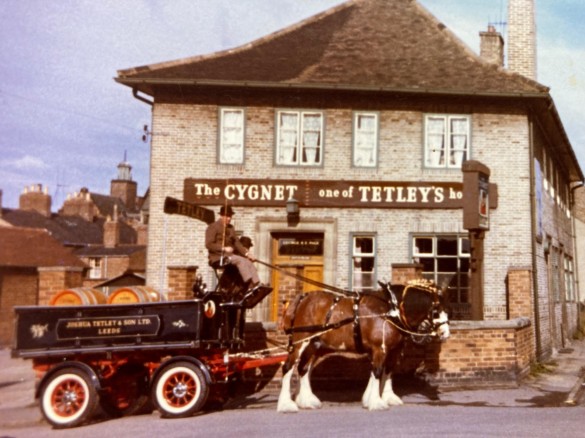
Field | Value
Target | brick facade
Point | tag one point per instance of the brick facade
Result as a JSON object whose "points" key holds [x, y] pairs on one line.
{"points": [[527, 308], [54, 280], [18, 287]]}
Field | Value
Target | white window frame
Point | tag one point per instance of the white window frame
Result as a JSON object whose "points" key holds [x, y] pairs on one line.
{"points": [[95, 268], [365, 139], [444, 146], [231, 136], [357, 256], [462, 253], [569, 279], [299, 144]]}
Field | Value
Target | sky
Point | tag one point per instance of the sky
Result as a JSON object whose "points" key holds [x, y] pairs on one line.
{"points": [[66, 124]]}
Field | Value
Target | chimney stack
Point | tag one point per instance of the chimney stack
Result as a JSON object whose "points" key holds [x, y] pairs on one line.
{"points": [[36, 199], [112, 230], [80, 204], [522, 38], [492, 46]]}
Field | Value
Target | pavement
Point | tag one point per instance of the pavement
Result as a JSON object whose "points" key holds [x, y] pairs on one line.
{"points": [[558, 383]]}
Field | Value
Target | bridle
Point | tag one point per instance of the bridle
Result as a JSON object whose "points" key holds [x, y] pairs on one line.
{"points": [[427, 329]]}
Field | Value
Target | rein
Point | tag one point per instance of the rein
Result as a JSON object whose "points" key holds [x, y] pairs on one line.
{"points": [[328, 287]]}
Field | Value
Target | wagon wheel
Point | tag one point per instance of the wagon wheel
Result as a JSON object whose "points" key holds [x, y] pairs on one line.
{"points": [[68, 398], [126, 392], [180, 390]]}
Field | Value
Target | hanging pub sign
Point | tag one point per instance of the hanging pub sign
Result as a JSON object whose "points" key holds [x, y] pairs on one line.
{"points": [[476, 196], [334, 194]]}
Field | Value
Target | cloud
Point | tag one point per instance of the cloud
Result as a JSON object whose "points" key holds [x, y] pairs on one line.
{"points": [[27, 162]]}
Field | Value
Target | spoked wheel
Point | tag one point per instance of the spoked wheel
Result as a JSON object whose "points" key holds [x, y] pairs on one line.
{"points": [[68, 398], [180, 390]]}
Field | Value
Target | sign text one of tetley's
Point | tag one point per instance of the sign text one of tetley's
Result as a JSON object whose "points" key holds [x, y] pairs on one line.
{"points": [[310, 193]]}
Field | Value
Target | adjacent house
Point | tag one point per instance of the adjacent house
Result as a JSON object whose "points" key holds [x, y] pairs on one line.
{"points": [[366, 115], [20, 270]]}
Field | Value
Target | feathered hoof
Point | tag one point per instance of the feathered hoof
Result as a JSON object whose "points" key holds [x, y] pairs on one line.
{"points": [[287, 407], [393, 400], [377, 405], [309, 402]]}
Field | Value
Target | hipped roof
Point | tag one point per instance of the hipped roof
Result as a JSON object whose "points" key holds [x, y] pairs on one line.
{"points": [[390, 44], [362, 45]]}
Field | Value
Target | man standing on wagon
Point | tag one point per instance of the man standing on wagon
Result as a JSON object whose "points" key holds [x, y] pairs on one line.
{"points": [[223, 246]]}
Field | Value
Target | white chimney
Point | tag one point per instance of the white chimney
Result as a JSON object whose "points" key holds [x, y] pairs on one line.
{"points": [[522, 38]]}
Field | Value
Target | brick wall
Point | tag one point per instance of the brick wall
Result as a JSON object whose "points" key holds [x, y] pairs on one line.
{"points": [[181, 279], [54, 280], [18, 287], [485, 354]]}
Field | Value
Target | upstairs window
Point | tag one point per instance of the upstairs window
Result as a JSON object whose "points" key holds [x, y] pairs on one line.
{"points": [[365, 139], [231, 136], [363, 262], [446, 141], [299, 138], [95, 268]]}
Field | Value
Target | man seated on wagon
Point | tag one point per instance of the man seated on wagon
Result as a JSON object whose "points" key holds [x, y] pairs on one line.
{"points": [[225, 248]]}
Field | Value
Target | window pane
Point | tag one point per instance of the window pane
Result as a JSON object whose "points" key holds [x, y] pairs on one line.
{"points": [[232, 136], [447, 265], [363, 245], [365, 140], [423, 245], [447, 246]]}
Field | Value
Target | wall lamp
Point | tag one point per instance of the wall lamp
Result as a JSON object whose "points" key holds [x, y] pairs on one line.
{"points": [[293, 212]]}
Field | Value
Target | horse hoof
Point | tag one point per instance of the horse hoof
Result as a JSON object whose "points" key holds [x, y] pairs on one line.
{"points": [[287, 408], [377, 406], [393, 401]]}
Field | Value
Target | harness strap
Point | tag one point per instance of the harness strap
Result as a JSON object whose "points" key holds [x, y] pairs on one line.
{"points": [[328, 287]]}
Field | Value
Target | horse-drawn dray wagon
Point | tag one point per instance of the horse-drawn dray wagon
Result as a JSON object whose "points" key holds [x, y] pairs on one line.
{"points": [[177, 356]]}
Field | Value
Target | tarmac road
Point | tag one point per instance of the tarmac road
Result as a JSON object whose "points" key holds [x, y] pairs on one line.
{"points": [[562, 387]]}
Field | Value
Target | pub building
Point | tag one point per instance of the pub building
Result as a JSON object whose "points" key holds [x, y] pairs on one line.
{"points": [[368, 143]]}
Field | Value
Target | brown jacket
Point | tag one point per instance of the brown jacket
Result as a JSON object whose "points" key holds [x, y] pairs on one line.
{"points": [[215, 241]]}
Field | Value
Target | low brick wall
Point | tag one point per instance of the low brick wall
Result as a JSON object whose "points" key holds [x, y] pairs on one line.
{"points": [[485, 353], [478, 354]]}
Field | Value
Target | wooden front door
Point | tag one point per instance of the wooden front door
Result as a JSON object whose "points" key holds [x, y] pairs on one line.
{"points": [[300, 254]]}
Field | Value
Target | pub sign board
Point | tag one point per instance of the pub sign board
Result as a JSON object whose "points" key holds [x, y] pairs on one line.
{"points": [[476, 196], [319, 193]]}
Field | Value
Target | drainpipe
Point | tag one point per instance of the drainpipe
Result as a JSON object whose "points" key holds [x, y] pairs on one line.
{"points": [[575, 252], [534, 216]]}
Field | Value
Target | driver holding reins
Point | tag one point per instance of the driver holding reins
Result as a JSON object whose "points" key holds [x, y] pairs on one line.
{"points": [[224, 247]]}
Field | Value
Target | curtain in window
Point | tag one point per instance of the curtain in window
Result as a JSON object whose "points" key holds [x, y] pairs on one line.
{"points": [[311, 138], [288, 138], [459, 142], [365, 141], [435, 142], [232, 141]]}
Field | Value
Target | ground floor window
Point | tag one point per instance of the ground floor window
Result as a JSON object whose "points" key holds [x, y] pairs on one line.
{"points": [[445, 260], [363, 262]]}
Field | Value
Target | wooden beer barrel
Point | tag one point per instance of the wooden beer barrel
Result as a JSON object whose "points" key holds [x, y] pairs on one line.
{"points": [[78, 296], [134, 294]]}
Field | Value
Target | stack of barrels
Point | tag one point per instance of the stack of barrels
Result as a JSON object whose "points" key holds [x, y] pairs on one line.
{"points": [[86, 296]]}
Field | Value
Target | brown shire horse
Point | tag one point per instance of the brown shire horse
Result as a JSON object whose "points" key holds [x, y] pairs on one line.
{"points": [[319, 323]]}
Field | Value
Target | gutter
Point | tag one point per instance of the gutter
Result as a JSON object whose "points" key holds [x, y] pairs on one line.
{"points": [[140, 98], [132, 82]]}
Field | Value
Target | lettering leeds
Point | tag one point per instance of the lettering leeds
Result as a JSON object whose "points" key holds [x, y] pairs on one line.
{"points": [[86, 328], [333, 194]]}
